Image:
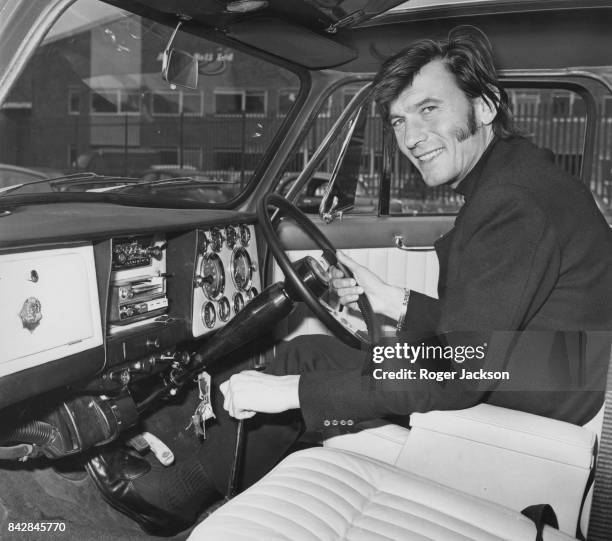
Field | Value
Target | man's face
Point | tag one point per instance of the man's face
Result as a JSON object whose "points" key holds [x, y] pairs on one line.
{"points": [[437, 127]]}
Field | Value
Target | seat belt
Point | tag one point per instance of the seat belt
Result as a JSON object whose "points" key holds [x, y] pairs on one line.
{"points": [[600, 522], [542, 515]]}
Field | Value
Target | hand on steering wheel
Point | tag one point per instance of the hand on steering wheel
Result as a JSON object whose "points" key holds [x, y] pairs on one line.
{"points": [[295, 283]]}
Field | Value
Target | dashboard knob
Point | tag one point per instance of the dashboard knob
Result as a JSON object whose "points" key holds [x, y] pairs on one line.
{"points": [[153, 342], [121, 376], [156, 252]]}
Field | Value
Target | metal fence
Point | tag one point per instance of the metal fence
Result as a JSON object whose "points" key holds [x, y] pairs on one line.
{"points": [[229, 148]]}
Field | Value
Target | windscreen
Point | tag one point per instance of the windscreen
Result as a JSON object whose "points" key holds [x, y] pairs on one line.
{"points": [[91, 112]]}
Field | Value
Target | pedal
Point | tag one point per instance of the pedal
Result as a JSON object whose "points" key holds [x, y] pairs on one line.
{"points": [[139, 443], [161, 451]]}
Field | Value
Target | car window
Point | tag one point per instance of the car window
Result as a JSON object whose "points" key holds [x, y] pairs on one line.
{"points": [[553, 118], [92, 99], [366, 158]]}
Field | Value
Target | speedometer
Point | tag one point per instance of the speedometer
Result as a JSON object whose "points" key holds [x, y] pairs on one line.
{"points": [[241, 268], [212, 276]]}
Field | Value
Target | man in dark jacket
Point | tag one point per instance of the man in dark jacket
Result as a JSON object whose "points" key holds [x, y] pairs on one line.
{"points": [[526, 273]]}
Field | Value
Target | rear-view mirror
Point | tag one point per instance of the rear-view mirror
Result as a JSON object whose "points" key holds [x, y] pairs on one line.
{"points": [[179, 67]]}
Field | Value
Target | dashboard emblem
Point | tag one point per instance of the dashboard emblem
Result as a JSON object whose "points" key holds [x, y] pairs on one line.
{"points": [[31, 313]]}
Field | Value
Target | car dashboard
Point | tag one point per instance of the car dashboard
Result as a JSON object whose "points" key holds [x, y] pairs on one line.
{"points": [[115, 301]]}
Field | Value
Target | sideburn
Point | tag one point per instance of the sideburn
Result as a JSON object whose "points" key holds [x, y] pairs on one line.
{"points": [[470, 128]]}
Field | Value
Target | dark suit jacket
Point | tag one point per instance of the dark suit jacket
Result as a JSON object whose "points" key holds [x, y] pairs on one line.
{"points": [[529, 255]]}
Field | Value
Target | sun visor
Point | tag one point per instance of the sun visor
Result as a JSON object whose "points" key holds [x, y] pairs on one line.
{"points": [[292, 42]]}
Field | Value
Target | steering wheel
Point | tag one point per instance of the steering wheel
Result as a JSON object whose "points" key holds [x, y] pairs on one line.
{"points": [[320, 308]]}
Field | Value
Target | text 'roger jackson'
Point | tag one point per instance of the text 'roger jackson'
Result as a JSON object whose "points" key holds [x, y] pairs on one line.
{"points": [[424, 374]]}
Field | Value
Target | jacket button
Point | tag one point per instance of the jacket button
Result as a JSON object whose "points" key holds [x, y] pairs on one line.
{"points": [[326, 422]]}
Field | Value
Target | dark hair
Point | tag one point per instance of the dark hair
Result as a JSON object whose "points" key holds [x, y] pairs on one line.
{"points": [[467, 54]]}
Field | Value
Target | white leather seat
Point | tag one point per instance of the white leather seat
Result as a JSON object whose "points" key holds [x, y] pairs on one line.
{"points": [[455, 475], [324, 494], [510, 457]]}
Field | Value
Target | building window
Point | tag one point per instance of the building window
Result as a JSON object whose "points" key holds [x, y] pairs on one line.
{"points": [[173, 103], [255, 103], [130, 101], [191, 103], [105, 101], [165, 103], [74, 101], [286, 100], [235, 102], [117, 101]]}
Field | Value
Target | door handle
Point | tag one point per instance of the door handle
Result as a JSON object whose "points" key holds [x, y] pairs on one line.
{"points": [[399, 243]]}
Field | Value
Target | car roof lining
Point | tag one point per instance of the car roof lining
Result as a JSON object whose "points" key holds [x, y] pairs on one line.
{"points": [[537, 40]]}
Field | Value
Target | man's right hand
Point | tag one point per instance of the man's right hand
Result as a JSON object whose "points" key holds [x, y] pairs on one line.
{"points": [[384, 298]]}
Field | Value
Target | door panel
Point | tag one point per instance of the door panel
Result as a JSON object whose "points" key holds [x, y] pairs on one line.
{"points": [[370, 241]]}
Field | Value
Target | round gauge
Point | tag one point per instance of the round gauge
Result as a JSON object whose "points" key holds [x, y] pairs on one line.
{"points": [[238, 302], [241, 268], [224, 309], [245, 235], [209, 315], [203, 242], [216, 239], [212, 276], [252, 293], [231, 236]]}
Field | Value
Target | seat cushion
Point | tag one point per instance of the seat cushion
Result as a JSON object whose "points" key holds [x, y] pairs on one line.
{"points": [[325, 494]]}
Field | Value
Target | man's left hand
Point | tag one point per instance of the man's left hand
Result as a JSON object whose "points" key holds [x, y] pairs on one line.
{"points": [[250, 392]]}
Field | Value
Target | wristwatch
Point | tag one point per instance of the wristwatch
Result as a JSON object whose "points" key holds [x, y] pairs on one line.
{"points": [[400, 321]]}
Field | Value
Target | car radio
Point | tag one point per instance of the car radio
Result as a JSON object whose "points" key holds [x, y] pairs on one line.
{"points": [[138, 280]]}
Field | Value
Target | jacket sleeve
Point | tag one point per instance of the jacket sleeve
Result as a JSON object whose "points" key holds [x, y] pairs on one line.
{"points": [[504, 263]]}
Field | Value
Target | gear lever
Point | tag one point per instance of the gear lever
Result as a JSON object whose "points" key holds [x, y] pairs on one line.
{"points": [[232, 485]]}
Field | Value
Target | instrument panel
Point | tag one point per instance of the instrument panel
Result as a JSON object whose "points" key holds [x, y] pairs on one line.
{"points": [[226, 275], [122, 300]]}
